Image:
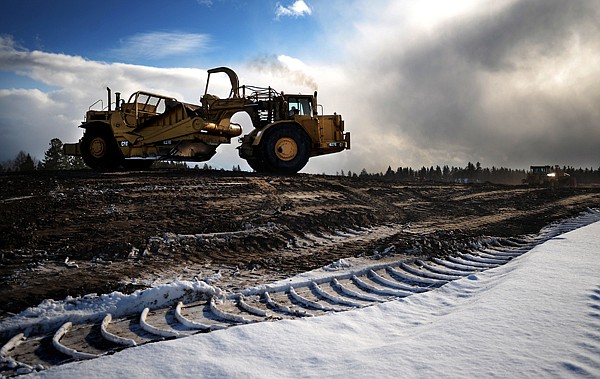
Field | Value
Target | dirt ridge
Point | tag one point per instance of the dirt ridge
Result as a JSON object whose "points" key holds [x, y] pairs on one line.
{"points": [[73, 233]]}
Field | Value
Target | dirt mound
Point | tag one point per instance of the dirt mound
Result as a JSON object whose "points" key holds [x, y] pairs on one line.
{"points": [[72, 233]]}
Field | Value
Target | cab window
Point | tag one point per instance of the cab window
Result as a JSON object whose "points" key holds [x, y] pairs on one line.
{"points": [[299, 106]]}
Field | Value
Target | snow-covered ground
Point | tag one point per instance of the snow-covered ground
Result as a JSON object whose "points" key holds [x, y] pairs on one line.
{"points": [[537, 316]]}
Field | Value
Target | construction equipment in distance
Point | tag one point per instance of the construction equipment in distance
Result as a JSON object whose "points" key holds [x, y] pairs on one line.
{"points": [[548, 176], [150, 127]]}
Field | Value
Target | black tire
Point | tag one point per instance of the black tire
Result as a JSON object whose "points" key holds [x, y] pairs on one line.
{"points": [[257, 165], [99, 150], [285, 149]]}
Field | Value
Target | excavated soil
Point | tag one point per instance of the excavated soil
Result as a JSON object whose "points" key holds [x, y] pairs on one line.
{"points": [[73, 233]]}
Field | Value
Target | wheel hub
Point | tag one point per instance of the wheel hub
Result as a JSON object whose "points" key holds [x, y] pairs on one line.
{"points": [[286, 149], [98, 147]]}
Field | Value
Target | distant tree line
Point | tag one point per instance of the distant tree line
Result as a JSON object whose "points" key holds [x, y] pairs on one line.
{"points": [[472, 173], [584, 175], [55, 159]]}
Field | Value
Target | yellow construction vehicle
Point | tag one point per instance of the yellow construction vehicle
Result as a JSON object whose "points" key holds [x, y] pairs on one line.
{"points": [[148, 127], [548, 176]]}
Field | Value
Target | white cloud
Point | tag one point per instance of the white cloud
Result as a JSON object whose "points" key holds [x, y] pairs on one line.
{"points": [[30, 118], [156, 45], [298, 9]]}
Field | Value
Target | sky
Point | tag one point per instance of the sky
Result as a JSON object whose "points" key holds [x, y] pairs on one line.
{"points": [[507, 83]]}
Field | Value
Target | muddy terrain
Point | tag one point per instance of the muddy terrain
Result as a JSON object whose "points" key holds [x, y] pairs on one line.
{"points": [[73, 233]]}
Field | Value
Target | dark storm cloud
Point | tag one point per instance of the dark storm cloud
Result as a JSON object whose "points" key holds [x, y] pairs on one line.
{"points": [[487, 87], [527, 29]]}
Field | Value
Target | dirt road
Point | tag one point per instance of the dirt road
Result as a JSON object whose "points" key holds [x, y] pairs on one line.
{"points": [[71, 233]]}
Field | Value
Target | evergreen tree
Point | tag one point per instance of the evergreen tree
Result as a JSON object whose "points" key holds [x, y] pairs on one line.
{"points": [[470, 171], [6, 166], [24, 162], [446, 173], [478, 171], [54, 158], [438, 173], [76, 163], [389, 173]]}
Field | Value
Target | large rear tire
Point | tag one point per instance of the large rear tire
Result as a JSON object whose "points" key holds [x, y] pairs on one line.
{"points": [[99, 150], [257, 165], [285, 149]]}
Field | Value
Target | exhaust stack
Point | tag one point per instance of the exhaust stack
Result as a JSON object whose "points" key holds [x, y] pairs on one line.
{"points": [[109, 98]]}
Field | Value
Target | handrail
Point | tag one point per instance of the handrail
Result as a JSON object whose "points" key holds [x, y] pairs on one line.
{"points": [[97, 101], [259, 92]]}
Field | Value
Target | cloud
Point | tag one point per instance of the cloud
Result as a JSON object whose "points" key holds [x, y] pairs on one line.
{"points": [[157, 45], [298, 9], [514, 85], [29, 120], [292, 70]]}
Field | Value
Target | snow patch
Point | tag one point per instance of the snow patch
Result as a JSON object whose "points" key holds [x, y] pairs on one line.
{"points": [[340, 264], [51, 314]]}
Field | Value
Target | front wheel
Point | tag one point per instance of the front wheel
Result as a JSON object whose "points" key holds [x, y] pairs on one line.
{"points": [[99, 150], [285, 149]]}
